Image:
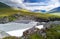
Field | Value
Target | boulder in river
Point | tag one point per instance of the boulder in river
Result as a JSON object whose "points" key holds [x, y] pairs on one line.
{"points": [[3, 34]]}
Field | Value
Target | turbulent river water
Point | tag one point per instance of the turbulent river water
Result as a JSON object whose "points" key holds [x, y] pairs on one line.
{"points": [[17, 28]]}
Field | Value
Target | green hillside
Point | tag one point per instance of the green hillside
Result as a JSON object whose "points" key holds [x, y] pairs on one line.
{"points": [[5, 10], [8, 11], [58, 14]]}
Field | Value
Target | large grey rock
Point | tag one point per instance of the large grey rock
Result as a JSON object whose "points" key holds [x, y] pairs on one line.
{"points": [[3, 34]]}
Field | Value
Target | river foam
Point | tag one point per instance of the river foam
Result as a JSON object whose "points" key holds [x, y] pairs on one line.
{"points": [[16, 29]]}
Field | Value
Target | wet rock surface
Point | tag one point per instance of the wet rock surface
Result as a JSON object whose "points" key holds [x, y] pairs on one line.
{"points": [[3, 34]]}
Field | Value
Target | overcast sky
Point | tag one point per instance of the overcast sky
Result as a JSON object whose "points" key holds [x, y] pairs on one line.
{"points": [[35, 4]]}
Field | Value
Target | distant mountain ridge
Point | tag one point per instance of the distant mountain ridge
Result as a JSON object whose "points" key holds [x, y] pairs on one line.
{"points": [[57, 9], [39, 11]]}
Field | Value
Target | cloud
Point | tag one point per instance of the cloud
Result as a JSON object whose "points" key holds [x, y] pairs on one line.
{"points": [[19, 3], [51, 5]]}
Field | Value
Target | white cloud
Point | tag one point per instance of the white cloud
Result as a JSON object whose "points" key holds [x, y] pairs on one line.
{"points": [[52, 4], [49, 7], [19, 3]]}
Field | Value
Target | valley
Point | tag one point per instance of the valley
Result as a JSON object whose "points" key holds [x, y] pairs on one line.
{"points": [[26, 24]]}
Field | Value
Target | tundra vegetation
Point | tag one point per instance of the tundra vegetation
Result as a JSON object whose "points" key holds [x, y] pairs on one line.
{"points": [[12, 14], [52, 33]]}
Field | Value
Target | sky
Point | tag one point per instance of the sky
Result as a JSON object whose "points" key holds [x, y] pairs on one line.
{"points": [[32, 1], [36, 1], [33, 4]]}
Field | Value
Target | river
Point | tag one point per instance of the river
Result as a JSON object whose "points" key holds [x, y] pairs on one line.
{"points": [[17, 28]]}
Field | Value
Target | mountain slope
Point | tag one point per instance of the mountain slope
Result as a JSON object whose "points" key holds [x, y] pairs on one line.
{"points": [[55, 10], [6, 10], [2, 5]]}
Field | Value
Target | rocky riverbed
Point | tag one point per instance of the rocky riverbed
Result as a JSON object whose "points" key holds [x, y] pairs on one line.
{"points": [[18, 17]]}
